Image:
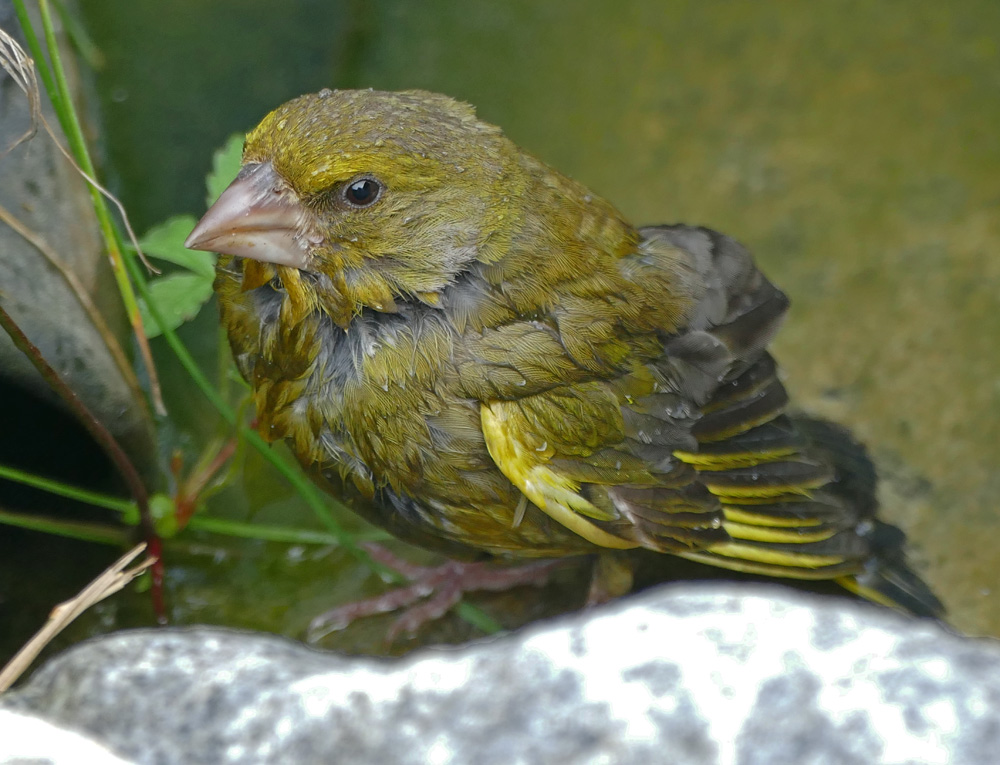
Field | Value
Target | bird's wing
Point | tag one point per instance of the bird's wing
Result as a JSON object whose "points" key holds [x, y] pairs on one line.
{"points": [[689, 450], [780, 509], [606, 454], [576, 454]]}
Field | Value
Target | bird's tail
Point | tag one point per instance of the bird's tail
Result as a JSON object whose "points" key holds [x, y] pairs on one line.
{"points": [[886, 576], [888, 579], [799, 501]]}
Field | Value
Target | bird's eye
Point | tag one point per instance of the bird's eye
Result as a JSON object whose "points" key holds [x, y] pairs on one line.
{"points": [[362, 192]]}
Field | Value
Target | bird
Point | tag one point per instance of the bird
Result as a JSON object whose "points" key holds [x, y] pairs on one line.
{"points": [[500, 367]]}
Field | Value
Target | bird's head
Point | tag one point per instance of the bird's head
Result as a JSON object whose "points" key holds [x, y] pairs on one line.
{"points": [[355, 199]]}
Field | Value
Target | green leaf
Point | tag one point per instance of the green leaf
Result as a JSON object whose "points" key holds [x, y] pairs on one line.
{"points": [[178, 296], [225, 166], [166, 242]]}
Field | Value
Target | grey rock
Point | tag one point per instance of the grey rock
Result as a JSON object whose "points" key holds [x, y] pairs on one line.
{"points": [[684, 674], [51, 219], [29, 740]]}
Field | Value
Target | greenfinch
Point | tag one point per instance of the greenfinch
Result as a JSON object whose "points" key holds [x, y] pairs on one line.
{"points": [[499, 363]]}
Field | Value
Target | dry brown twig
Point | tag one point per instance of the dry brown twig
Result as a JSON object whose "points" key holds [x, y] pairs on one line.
{"points": [[22, 69], [111, 581], [79, 292]]}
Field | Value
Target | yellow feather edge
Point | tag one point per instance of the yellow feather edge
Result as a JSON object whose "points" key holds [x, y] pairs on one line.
{"points": [[711, 462], [851, 583], [738, 429], [740, 557], [757, 519], [738, 494], [552, 493], [753, 533]]}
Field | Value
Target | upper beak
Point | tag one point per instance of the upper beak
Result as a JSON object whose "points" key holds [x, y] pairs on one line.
{"points": [[256, 217]]}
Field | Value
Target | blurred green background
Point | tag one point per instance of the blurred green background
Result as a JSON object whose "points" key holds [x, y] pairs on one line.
{"points": [[852, 145]]}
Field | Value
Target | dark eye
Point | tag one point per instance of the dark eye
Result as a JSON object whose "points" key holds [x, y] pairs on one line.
{"points": [[362, 192]]}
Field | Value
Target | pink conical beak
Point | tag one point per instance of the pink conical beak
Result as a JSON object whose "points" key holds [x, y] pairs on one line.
{"points": [[256, 217]]}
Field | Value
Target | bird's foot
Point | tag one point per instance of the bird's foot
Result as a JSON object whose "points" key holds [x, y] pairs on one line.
{"points": [[432, 591]]}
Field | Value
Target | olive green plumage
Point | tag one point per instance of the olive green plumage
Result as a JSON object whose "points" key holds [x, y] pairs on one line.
{"points": [[499, 362]]}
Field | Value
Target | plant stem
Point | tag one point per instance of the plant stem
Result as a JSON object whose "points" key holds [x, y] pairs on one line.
{"points": [[94, 427], [478, 618], [65, 490], [274, 533], [87, 532], [79, 37]]}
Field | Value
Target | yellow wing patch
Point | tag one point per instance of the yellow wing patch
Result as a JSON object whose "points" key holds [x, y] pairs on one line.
{"points": [[759, 560], [527, 468]]}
